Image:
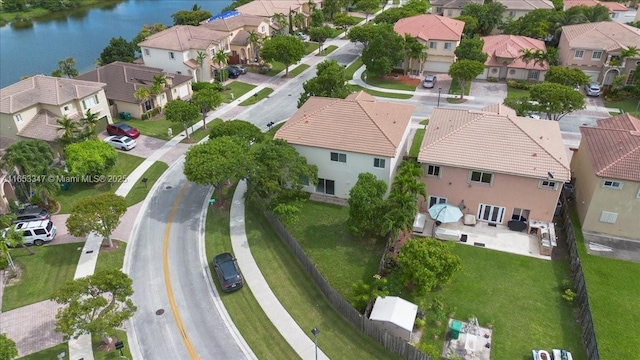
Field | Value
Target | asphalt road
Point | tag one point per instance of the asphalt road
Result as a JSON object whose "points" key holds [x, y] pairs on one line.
{"points": [[192, 328]]}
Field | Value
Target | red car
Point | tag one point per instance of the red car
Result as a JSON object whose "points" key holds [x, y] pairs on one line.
{"points": [[122, 129]]}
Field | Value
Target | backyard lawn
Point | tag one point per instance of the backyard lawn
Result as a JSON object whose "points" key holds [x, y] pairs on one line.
{"points": [[41, 274], [417, 141], [630, 106]]}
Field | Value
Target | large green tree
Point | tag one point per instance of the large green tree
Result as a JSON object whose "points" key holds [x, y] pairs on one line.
{"points": [[402, 203], [8, 348], [241, 129], [29, 157], [567, 76], [99, 213], [489, 15], [344, 21], [556, 100], [91, 157], [66, 67], [383, 50], [470, 48], [146, 31], [464, 71], [285, 49], [367, 206], [206, 100], [362, 34], [97, 304], [537, 24], [190, 17], [367, 7], [426, 263], [332, 7], [217, 162], [118, 49], [330, 81], [179, 111], [320, 34]]}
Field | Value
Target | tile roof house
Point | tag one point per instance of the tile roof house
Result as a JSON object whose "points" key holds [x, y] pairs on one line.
{"points": [[440, 35], [505, 62], [238, 28], [515, 9], [451, 8], [175, 50], [29, 108], [124, 79], [496, 165], [268, 8], [606, 169], [346, 137], [617, 11], [597, 49]]}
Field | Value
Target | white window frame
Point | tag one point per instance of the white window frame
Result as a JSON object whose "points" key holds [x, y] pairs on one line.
{"points": [[379, 163], [520, 213], [172, 56], [94, 101], [262, 29], [493, 211], [612, 184], [438, 9], [433, 170], [147, 52], [449, 12], [18, 117], [599, 53], [323, 183], [340, 157], [533, 75], [548, 184], [482, 174], [448, 46], [576, 52], [433, 45], [608, 217], [433, 200]]}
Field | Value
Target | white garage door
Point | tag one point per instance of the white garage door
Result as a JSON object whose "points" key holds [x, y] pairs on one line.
{"points": [[184, 92], [593, 75], [437, 66]]}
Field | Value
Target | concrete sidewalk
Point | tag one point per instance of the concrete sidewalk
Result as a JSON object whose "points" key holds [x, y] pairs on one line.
{"points": [[286, 325]]}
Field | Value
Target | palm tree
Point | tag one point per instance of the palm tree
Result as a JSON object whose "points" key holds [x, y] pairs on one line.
{"points": [[280, 20], [142, 94], [221, 59], [298, 21], [254, 39], [200, 58], [422, 58], [629, 52], [89, 121], [69, 128], [159, 83], [46, 189], [412, 49], [527, 55]]}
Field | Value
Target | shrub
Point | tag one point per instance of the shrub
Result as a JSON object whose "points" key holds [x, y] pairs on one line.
{"points": [[492, 79], [519, 84], [420, 323], [4, 262], [151, 113], [430, 350]]}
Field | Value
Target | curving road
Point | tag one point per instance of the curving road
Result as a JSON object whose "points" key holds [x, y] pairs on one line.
{"points": [[167, 264]]}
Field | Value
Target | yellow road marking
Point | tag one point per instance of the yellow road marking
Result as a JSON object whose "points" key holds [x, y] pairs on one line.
{"points": [[167, 278]]}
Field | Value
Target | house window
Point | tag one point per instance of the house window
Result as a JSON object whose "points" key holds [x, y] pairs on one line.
{"points": [[447, 46], [449, 12], [146, 52], [512, 13], [439, 9], [18, 117], [433, 170], [171, 55], [436, 200], [90, 102], [481, 177], [546, 184], [339, 157], [66, 108], [213, 51], [491, 213], [262, 29], [326, 186], [631, 78], [614, 15], [433, 45], [147, 106], [304, 180], [596, 55], [578, 54], [378, 163], [612, 184], [520, 214], [534, 74], [608, 217]]}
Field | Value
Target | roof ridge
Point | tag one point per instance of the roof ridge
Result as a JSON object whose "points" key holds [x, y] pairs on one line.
{"points": [[458, 129], [374, 121], [629, 153], [544, 149]]}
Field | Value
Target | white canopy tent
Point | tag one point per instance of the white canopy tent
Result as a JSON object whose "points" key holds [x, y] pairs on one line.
{"points": [[396, 315]]}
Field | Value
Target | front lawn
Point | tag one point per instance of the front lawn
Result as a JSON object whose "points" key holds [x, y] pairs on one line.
{"points": [[629, 105], [157, 128], [517, 93], [41, 274], [327, 50], [351, 69], [417, 141], [200, 133], [99, 354], [388, 84], [341, 258], [455, 87], [276, 68], [272, 132], [49, 353], [380, 93], [237, 89], [109, 258], [519, 295], [263, 93], [310, 47]]}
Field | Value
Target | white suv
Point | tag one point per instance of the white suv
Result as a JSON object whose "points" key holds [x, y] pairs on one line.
{"points": [[37, 232]]}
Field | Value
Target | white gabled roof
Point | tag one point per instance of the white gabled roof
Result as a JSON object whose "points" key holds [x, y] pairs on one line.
{"points": [[395, 310]]}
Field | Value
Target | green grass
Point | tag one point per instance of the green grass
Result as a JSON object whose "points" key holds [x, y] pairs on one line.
{"points": [[157, 128], [417, 141], [310, 47], [425, 122], [271, 133], [276, 68], [263, 93], [326, 51], [380, 93], [613, 297], [200, 133], [41, 274], [455, 87], [139, 191], [125, 165], [322, 231], [351, 69], [237, 88], [263, 338], [517, 93], [49, 353], [629, 106], [388, 84], [519, 295], [297, 70], [299, 295], [98, 354], [109, 259], [336, 32]]}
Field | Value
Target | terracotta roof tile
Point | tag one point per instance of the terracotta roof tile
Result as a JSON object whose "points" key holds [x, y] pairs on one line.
{"points": [[268, 8], [614, 147], [495, 142], [526, 4], [605, 35], [233, 23], [184, 37], [430, 27], [499, 109], [500, 47], [356, 124], [454, 4], [612, 6]]}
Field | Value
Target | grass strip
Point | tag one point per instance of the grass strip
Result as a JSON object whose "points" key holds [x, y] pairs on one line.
{"points": [[139, 191], [111, 258], [417, 141], [380, 93], [326, 51], [297, 70]]}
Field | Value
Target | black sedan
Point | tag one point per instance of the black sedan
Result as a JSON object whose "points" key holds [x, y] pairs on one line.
{"points": [[228, 273]]}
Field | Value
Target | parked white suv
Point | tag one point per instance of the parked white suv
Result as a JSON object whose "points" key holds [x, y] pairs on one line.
{"points": [[37, 232]]}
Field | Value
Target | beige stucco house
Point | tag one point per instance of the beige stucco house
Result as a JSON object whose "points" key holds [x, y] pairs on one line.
{"points": [[515, 9], [29, 108], [494, 164], [606, 168], [597, 48], [238, 27], [505, 58], [617, 11], [451, 8], [268, 8], [440, 35], [178, 48], [346, 137], [124, 79]]}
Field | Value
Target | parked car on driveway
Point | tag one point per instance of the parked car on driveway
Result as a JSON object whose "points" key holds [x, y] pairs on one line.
{"points": [[233, 73], [121, 142], [429, 82], [243, 70], [228, 272], [592, 89], [37, 232], [122, 129], [31, 213]]}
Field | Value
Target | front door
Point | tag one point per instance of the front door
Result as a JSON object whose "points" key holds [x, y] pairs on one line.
{"points": [[491, 213]]}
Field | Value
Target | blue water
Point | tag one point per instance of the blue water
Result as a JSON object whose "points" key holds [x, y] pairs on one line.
{"points": [[37, 49]]}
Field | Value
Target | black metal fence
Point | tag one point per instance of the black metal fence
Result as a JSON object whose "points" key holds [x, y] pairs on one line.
{"points": [[577, 276], [391, 342]]}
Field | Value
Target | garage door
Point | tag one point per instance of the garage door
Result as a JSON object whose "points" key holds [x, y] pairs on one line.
{"points": [[184, 92], [593, 75], [437, 66]]}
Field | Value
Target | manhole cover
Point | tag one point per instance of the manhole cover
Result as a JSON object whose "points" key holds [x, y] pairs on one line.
{"points": [[168, 187], [160, 312]]}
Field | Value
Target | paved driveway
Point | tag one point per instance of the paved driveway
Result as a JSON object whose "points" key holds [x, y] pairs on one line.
{"points": [[488, 91]]}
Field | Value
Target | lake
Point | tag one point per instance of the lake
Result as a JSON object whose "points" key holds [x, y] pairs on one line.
{"points": [[82, 35]]}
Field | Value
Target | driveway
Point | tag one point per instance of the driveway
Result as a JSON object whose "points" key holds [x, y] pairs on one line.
{"points": [[444, 83], [488, 91]]}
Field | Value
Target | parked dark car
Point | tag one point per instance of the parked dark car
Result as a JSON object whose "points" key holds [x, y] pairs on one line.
{"points": [[233, 73], [122, 129], [228, 272], [32, 213], [243, 70]]}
